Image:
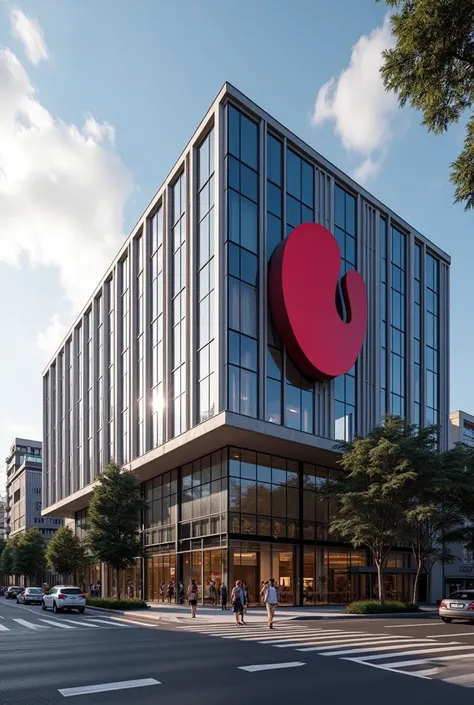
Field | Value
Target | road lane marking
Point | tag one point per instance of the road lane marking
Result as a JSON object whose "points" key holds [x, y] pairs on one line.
{"points": [[82, 623], [467, 680], [396, 654], [411, 626], [3, 628], [30, 625], [104, 687], [363, 642], [415, 674], [295, 637], [103, 621], [343, 652], [56, 623], [448, 636], [310, 641], [412, 662], [271, 666], [291, 636]]}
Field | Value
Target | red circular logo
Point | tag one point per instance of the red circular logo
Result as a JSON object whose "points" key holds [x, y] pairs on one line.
{"points": [[303, 278]]}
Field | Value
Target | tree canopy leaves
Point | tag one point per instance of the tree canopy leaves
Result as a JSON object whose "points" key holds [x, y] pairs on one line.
{"points": [[431, 68], [114, 518], [29, 553], [65, 553]]}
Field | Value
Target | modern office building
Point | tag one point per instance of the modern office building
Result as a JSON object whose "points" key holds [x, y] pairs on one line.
{"points": [[221, 359], [24, 490]]}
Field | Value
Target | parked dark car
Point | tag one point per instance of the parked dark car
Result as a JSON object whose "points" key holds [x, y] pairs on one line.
{"points": [[13, 591]]}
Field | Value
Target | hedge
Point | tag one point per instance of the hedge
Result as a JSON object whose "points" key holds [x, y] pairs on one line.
{"points": [[374, 607], [112, 604]]}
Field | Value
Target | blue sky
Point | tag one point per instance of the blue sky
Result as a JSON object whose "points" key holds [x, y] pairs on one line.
{"points": [[115, 89]]}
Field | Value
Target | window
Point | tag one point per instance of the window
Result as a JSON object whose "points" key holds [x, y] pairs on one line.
{"points": [[124, 352], [178, 305], [417, 418], [242, 262], [345, 385], [38, 506], [161, 495], [263, 494], [109, 373], [205, 273], [383, 317], [139, 349], [204, 497], [431, 339], [397, 342], [156, 280]]}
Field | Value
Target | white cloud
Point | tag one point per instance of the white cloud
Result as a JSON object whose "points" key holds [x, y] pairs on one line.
{"points": [[29, 32], [49, 340], [62, 193], [358, 105]]}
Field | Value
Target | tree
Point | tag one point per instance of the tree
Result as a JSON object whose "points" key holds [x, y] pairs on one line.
{"points": [[368, 494], [114, 519], [29, 554], [434, 502], [431, 67], [65, 554], [6, 559]]}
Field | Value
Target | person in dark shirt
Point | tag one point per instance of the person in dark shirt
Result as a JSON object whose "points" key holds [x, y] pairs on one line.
{"points": [[224, 596]]}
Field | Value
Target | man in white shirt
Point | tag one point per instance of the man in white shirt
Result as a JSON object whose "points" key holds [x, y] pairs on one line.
{"points": [[271, 601]]}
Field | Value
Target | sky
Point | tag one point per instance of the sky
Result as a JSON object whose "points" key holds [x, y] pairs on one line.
{"points": [[97, 101]]}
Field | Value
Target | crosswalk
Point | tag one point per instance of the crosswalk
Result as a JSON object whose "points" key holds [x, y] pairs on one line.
{"points": [[15, 625], [421, 657]]}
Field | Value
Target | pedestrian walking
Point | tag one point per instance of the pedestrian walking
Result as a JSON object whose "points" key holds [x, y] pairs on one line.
{"points": [[193, 596], [181, 592], [237, 599], [271, 601], [212, 593], [170, 591], [162, 590], [223, 592]]}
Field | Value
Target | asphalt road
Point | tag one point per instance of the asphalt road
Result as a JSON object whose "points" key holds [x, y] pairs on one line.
{"points": [[201, 662]]}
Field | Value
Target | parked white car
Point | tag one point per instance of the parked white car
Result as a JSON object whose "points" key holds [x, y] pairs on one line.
{"points": [[64, 597]]}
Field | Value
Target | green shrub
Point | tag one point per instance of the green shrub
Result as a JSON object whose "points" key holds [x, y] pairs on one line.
{"points": [[111, 604], [374, 607]]}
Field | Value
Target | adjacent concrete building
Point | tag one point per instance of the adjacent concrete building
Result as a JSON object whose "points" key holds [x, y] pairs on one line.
{"points": [[3, 510], [24, 490], [180, 368]]}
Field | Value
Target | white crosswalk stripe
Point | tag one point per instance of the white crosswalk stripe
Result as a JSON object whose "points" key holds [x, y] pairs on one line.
{"points": [[110, 623], [57, 623], [30, 625], [377, 650]]}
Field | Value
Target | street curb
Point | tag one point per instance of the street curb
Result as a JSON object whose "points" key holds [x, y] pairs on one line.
{"points": [[110, 611], [381, 615]]}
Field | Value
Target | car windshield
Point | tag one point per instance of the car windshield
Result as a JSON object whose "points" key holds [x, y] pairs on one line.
{"points": [[71, 591], [34, 591], [462, 595]]}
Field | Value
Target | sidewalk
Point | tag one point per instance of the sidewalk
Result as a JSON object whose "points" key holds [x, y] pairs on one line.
{"points": [[160, 610]]}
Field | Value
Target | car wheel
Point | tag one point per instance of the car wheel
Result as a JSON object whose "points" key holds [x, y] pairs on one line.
{"points": [[43, 606], [81, 610], [448, 620], [55, 607], [17, 601]]}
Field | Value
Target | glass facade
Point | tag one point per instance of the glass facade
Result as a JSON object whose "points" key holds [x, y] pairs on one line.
{"points": [[178, 306], [139, 382], [205, 276], [397, 322], [432, 339], [156, 326], [110, 371], [417, 271], [242, 249], [273, 522], [124, 361], [345, 224], [383, 317]]}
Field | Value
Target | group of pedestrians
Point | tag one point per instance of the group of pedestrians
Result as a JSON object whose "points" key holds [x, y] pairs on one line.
{"points": [[239, 598], [169, 591]]}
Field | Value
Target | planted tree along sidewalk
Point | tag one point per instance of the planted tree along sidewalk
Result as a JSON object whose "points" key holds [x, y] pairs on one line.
{"points": [[65, 554], [29, 554], [114, 519], [399, 491]]}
